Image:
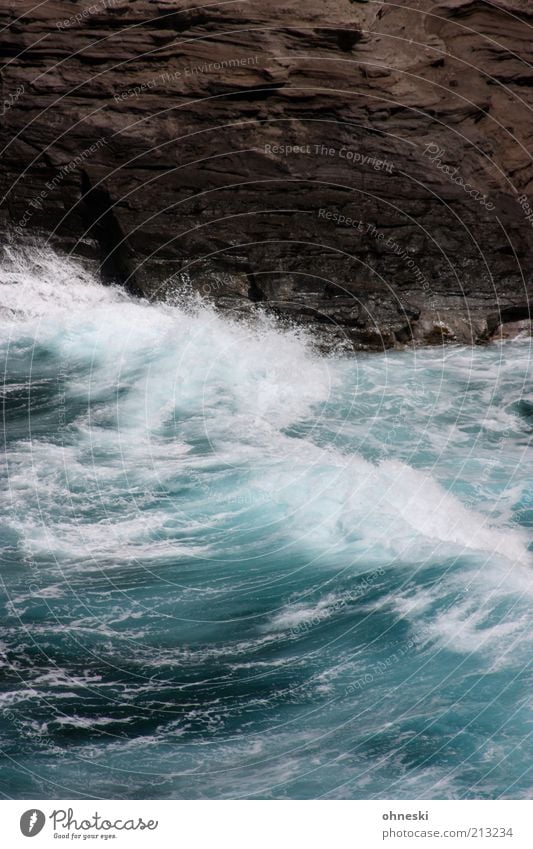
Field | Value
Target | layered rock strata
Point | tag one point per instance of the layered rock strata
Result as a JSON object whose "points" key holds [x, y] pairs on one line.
{"points": [[362, 168]]}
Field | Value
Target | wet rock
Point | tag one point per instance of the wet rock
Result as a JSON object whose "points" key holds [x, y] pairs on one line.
{"points": [[356, 166]]}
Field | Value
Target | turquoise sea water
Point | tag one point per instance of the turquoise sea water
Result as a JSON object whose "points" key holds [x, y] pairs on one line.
{"points": [[233, 568]]}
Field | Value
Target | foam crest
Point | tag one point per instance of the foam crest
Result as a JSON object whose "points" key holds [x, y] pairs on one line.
{"points": [[180, 397], [38, 284]]}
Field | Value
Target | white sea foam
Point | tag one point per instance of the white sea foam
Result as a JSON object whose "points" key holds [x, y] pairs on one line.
{"points": [[154, 381], [300, 616], [191, 542]]}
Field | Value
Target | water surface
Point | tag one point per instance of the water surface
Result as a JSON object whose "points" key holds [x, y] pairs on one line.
{"points": [[233, 568]]}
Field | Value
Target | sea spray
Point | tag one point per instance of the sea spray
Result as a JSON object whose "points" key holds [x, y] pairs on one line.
{"points": [[234, 568]]}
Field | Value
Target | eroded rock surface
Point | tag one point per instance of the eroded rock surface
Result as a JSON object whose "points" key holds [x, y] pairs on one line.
{"points": [[363, 168]]}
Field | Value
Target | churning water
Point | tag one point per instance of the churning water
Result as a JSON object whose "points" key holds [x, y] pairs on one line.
{"points": [[234, 568]]}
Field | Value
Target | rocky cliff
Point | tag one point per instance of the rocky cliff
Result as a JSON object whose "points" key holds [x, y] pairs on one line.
{"points": [[362, 167]]}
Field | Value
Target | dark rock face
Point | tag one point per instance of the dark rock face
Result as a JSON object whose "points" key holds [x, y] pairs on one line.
{"points": [[359, 167]]}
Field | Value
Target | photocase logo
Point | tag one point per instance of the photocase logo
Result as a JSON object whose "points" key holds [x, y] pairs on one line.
{"points": [[32, 822]]}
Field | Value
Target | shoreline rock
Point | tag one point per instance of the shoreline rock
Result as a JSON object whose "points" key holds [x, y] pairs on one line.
{"points": [[357, 168]]}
